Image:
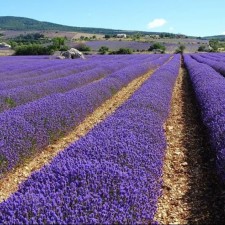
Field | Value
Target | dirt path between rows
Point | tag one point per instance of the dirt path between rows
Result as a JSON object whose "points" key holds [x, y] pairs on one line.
{"points": [[191, 192], [10, 183]]}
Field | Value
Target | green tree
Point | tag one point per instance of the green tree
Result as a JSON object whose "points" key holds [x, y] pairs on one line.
{"points": [[157, 46], [103, 50], [107, 36], [180, 49], [136, 36], [214, 44], [83, 47], [202, 48], [33, 49], [58, 42], [122, 51], [13, 44]]}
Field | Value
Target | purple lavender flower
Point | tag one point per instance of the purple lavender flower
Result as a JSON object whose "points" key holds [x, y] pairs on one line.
{"points": [[209, 88], [112, 175]]}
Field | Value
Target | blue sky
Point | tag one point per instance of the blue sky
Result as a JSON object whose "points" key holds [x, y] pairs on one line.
{"points": [[191, 17]]}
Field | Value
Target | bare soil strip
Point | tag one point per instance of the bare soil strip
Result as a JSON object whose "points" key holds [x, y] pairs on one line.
{"points": [[11, 181], [191, 191]]}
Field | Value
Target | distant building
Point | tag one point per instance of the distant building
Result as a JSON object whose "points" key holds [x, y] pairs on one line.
{"points": [[220, 49], [121, 35], [4, 45]]}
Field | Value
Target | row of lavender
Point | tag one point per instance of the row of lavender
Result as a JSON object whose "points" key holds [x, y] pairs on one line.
{"points": [[59, 68], [10, 98], [18, 65], [209, 87], [13, 67], [110, 176], [190, 46], [220, 57], [16, 68], [30, 127], [216, 61], [13, 97], [42, 76]]}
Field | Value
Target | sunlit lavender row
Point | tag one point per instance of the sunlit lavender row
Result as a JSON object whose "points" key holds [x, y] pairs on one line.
{"points": [[209, 87], [216, 63], [13, 97], [16, 96], [110, 176], [30, 127], [13, 68], [14, 65]]}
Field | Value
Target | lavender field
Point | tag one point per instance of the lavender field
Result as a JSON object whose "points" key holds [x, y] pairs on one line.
{"points": [[115, 45], [115, 172], [191, 46]]}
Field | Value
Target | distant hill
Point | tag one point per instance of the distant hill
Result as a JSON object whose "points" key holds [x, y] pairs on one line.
{"points": [[216, 37], [26, 24]]}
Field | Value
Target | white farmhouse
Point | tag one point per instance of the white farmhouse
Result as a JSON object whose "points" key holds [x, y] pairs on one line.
{"points": [[121, 35]]}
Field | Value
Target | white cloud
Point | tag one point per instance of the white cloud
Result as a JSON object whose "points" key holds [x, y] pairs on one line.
{"points": [[157, 23], [223, 33], [171, 28]]}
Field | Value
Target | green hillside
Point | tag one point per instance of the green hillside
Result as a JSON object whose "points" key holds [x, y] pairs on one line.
{"points": [[26, 24]]}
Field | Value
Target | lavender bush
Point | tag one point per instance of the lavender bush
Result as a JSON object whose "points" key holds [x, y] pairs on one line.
{"points": [[115, 45], [219, 57], [209, 88], [218, 66], [5, 85]]}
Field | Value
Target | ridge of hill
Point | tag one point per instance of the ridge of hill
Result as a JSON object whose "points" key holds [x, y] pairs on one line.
{"points": [[27, 24]]}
